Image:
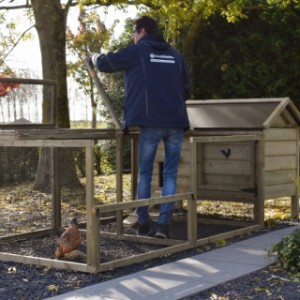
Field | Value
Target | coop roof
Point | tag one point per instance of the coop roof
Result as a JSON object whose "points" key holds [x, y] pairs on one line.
{"points": [[242, 113]]}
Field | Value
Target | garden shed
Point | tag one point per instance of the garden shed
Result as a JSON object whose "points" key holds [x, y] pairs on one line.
{"points": [[244, 150]]}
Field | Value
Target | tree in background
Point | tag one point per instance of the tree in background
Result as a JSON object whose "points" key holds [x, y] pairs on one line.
{"points": [[92, 36], [255, 57]]}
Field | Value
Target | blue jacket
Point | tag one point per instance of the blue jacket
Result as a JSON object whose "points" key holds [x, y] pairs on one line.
{"points": [[157, 83]]}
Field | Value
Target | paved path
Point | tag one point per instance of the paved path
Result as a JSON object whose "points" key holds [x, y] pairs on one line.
{"points": [[186, 276]]}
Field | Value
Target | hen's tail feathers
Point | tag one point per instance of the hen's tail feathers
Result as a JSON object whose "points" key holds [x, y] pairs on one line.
{"points": [[74, 221]]}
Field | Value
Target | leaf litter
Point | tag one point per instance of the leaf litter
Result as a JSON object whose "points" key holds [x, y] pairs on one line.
{"points": [[24, 210]]}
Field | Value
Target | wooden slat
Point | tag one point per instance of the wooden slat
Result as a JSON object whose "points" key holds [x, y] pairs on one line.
{"points": [[227, 235], [184, 170], [92, 220], [258, 209], [238, 151], [227, 167], [276, 112], [141, 202], [234, 101], [289, 119], [224, 132], [46, 143], [134, 165], [192, 221], [225, 196], [280, 122], [281, 134], [295, 206], [280, 190], [65, 134], [231, 138], [27, 235], [56, 184], [140, 239], [119, 180], [238, 180], [279, 177], [226, 188], [7, 135], [52, 263], [142, 257], [280, 163], [281, 148], [196, 171]]}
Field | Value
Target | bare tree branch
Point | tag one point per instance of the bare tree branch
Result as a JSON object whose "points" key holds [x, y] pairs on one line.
{"points": [[17, 42], [25, 5]]}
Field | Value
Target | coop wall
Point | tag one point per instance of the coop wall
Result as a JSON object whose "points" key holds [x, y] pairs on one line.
{"points": [[281, 155], [226, 171], [235, 179]]}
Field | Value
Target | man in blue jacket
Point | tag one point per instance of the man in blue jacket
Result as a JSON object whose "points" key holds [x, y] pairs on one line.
{"points": [[157, 84]]}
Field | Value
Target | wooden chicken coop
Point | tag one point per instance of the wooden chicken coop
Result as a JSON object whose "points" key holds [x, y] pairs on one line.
{"points": [[237, 150], [243, 150]]}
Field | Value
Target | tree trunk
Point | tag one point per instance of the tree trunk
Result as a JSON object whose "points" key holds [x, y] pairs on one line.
{"points": [[50, 20]]}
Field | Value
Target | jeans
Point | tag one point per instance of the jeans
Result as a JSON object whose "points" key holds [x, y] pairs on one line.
{"points": [[149, 140]]}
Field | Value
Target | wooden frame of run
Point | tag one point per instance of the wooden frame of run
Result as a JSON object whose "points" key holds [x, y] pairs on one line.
{"points": [[93, 263]]}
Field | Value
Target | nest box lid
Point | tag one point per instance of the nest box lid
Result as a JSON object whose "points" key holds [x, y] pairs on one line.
{"points": [[242, 113]]}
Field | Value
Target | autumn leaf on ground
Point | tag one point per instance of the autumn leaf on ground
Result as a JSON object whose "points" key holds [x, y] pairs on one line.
{"points": [[220, 243], [12, 270], [260, 289], [52, 287]]}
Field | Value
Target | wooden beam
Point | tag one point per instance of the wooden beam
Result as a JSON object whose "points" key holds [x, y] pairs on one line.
{"points": [[134, 165], [232, 101], [192, 221], [259, 203], [228, 138], [47, 262], [195, 170], [276, 112], [46, 143], [142, 257], [119, 179], [55, 187], [141, 202], [140, 239], [227, 235], [65, 134], [92, 220]]}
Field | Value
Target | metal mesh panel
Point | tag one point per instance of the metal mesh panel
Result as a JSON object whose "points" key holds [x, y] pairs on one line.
{"points": [[22, 102], [32, 179]]}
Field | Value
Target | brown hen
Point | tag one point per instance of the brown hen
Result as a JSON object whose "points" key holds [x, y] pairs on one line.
{"points": [[70, 240]]}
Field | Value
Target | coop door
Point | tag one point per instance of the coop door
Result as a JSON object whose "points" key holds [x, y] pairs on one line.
{"points": [[226, 169]]}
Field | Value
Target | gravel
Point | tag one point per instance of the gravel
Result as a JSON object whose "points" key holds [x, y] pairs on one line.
{"points": [[268, 283], [33, 282]]}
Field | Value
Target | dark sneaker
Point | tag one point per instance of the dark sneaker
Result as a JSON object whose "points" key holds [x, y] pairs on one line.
{"points": [[143, 230], [162, 231]]}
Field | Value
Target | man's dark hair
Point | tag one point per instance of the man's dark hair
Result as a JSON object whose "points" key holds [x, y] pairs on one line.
{"points": [[148, 23]]}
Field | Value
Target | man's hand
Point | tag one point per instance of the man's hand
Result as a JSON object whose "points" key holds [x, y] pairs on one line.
{"points": [[94, 57]]}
